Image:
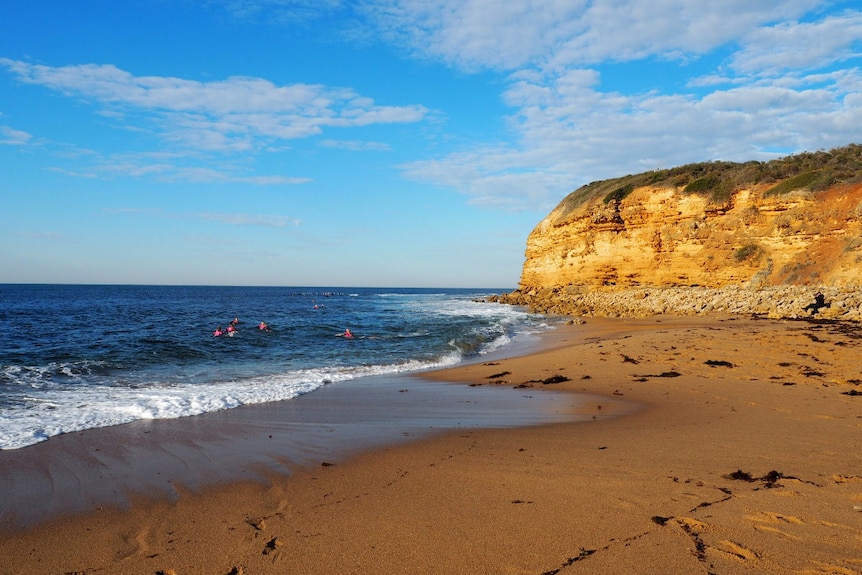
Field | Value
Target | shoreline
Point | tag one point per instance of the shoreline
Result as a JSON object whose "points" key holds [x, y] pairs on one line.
{"points": [[655, 490], [77, 473]]}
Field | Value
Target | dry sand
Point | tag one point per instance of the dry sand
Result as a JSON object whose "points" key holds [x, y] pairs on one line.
{"points": [[737, 449]]}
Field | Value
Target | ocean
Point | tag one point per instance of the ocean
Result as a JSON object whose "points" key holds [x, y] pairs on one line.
{"points": [[77, 357]]}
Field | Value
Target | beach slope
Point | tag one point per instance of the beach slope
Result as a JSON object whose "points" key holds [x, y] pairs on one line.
{"points": [[737, 448]]}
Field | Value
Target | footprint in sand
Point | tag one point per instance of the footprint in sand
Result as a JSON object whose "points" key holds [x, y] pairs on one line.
{"points": [[769, 522], [136, 543], [846, 478], [737, 550], [273, 545]]}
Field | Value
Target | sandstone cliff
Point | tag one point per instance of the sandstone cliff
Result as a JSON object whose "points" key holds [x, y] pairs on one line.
{"points": [[794, 223]]}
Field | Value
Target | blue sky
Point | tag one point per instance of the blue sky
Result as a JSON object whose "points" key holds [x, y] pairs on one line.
{"points": [[379, 142]]}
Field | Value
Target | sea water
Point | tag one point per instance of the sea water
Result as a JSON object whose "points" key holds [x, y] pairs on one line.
{"points": [[77, 357]]}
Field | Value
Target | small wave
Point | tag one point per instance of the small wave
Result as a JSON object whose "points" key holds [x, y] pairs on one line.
{"points": [[52, 374], [495, 344], [28, 421]]}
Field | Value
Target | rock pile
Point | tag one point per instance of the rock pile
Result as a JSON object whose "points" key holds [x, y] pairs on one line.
{"points": [[788, 301]]}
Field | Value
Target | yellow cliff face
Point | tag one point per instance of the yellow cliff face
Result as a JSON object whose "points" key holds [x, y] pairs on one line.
{"points": [[666, 237]]}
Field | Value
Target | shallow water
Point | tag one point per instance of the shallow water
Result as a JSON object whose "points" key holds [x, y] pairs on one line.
{"points": [[108, 467], [83, 357]]}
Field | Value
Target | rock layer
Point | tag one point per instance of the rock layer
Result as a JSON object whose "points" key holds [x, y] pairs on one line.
{"points": [[662, 237]]}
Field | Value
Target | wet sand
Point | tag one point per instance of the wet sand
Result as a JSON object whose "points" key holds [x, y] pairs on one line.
{"points": [[81, 472], [706, 445]]}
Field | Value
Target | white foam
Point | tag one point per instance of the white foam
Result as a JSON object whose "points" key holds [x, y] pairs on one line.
{"points": [[58, 411]]}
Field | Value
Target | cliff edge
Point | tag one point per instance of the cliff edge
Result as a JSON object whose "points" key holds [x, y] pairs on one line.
{"points": [[789, 227]]}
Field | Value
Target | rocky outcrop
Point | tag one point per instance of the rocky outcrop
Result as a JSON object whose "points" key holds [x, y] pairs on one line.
{"points": [[752, 237], [789, 302]]}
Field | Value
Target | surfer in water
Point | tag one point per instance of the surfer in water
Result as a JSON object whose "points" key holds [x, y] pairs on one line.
{"points": [[263, 326], [219, 331], [347, 333]]}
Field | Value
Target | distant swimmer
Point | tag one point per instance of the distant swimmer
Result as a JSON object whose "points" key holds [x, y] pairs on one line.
{"points": [[231, 329], [263, 326], [234, 321], [219, 331], [347, 333]]}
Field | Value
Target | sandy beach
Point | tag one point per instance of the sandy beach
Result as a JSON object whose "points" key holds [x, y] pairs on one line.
{"points": [[714, 445]]}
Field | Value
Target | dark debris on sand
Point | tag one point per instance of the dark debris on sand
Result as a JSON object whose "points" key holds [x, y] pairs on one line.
{"points": [[769, 480], [662, 374], [547, 381], [584, 553]]}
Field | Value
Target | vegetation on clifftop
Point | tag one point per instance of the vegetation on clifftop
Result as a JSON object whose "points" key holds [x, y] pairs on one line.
{"points": [[811, 171]]}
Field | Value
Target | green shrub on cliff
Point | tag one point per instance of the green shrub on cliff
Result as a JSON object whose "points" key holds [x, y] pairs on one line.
{"points": [[619, 194], [719, 180], [746, 252], [606, 189], [814, 180], [717, 188], [704, 184]]}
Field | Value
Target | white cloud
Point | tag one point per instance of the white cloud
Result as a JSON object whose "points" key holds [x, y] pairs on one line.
{"points": [[569, 130], [12, 137], [798, 46], [356, 145], [232, 114], [477, 33], [78, 173], [495, 177], [554, 34], [209, 175], [233, 219], [279, 11], [168, 167], [251, 220], [619, 30], [570, 133]]}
